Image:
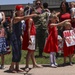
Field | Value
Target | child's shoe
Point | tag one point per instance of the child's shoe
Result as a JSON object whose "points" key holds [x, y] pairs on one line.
{"points": [[56, 64], [53, 65]]}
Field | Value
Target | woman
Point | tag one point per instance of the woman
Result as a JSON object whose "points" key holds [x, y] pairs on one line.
{"points": [[64, 14]]}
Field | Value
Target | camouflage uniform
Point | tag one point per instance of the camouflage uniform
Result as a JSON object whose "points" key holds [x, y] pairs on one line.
{"points": [[41, 28]]}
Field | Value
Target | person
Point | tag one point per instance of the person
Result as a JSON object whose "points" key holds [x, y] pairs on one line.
{"points": [[63, 15], [39, 31], [3, 49], [72, 10], [29, 39], [38, 6], [68, 51], [16, 37], [51, 45], [7, 30], [41, 28]]}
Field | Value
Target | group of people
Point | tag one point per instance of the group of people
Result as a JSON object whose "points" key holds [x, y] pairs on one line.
{"points": [[31, 27]]}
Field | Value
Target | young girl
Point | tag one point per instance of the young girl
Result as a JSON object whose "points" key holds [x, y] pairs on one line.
{"points": [[68, 51], [16, 37], [51, 45], [3, 49], [29, 40]]}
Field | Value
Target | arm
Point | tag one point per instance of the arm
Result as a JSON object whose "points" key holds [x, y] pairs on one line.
{"points": [[17, 19], [29, 28], [3, 17], [58, 13], [59, 24]]}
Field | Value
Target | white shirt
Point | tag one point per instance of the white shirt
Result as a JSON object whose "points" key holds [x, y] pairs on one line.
{"points": [[73, 12]]}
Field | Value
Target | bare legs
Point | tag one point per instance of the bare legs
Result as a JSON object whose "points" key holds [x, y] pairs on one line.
{"points": [[29, 55], [2, 61], [70, 59]]}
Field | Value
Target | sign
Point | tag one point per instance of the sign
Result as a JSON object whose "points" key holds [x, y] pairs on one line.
{"points": [[69, 36]]}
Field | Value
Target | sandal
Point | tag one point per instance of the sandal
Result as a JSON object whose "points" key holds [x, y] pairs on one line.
{"points": [[12, 71]]}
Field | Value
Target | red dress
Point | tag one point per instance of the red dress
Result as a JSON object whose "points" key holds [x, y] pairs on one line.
{"points": [[25, 36], [68, 50], [51, 42], [65, 16]]}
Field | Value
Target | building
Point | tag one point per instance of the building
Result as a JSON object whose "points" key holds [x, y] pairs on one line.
{"points": [[8, 9], [53, 5]]}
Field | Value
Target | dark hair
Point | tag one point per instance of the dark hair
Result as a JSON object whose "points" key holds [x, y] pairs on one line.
{"points": [[67, 6], [45, 5], [29, 10], [38, 1]]}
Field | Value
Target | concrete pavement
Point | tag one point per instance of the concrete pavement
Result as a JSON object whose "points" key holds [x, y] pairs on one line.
{"points": [[45, 70]]}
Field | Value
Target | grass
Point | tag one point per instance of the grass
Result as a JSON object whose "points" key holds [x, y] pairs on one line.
{"points": [[38, 60]]}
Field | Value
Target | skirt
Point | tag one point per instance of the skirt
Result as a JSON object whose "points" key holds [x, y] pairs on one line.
{"points": [[32, 45], [3, 49]]}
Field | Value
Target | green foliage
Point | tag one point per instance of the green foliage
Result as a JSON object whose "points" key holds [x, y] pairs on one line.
{"points": [[44, 60]]}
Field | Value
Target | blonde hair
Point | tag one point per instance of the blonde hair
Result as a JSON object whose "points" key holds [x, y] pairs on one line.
{"points": [[53, 16], [67, 24]]}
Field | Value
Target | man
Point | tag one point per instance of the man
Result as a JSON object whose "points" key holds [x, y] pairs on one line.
{"points": [[41, 24]]}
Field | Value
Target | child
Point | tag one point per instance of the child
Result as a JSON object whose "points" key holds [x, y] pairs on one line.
{"points": [[51, 45], [68, 51], [29, 40], [3, 49]]}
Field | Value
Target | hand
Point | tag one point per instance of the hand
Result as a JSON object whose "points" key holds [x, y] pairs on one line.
{"points": [[30, 42], [68, 20], [21, 39]]}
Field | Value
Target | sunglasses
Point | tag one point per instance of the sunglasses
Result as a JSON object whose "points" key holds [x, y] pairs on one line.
{"points": [[38, 3]]}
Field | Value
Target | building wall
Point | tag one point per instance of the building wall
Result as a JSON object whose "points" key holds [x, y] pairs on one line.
{"points": [[8, 9], [53, 5]]}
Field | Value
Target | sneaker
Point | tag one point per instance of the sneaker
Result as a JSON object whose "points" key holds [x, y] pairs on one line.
{"points": [[53, 65], [56, 64]]}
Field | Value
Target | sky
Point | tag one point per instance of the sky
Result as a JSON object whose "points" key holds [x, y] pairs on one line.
{"points": [[70, 0], [5, 2]]}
